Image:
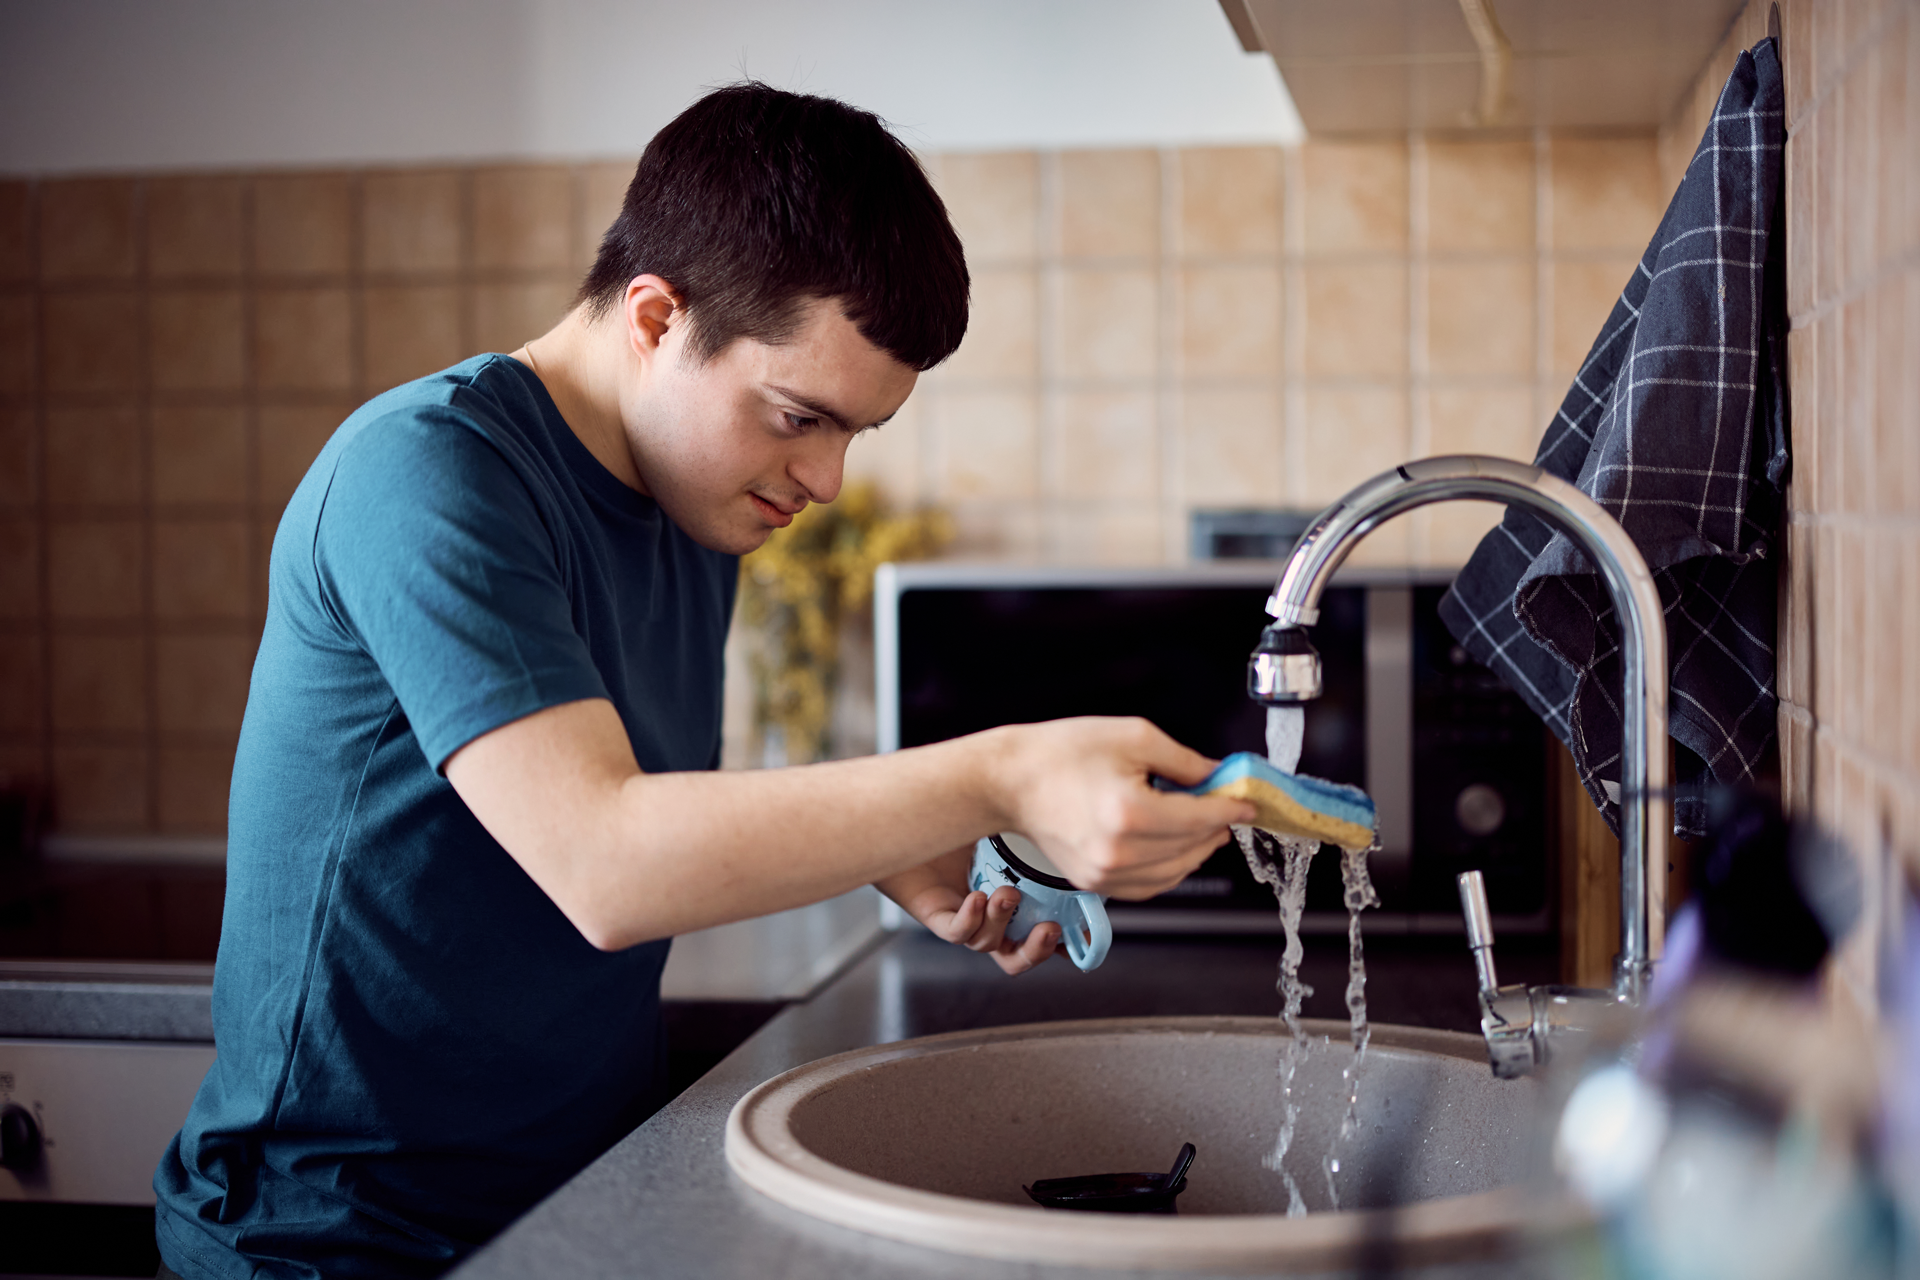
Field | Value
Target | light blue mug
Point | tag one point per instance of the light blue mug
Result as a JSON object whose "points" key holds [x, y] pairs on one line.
{"points": [[1045, 894]]}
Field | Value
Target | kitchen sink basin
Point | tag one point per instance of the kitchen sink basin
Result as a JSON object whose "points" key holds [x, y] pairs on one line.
{"points": [[930, 1141]]}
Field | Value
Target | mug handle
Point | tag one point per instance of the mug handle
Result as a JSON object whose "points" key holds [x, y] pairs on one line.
{"points": [[1088, 948]]}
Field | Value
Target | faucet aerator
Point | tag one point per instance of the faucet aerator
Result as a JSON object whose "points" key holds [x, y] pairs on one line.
{"points": [[1284, 667]]}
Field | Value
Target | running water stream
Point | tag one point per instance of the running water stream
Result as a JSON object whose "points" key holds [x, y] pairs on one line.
{"points": [[1282, 862]]}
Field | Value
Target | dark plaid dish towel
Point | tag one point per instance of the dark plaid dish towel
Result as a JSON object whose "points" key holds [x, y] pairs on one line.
{"points": [[1677, 425]]}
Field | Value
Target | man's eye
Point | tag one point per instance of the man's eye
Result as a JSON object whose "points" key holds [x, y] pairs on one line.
{"points": [[798, 423]]}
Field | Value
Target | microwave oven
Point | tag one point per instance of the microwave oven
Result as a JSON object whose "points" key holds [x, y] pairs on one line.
{"points": [[1456, 764]]}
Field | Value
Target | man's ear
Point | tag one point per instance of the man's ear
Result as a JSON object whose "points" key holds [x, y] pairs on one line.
{"points": [[650, 308]]}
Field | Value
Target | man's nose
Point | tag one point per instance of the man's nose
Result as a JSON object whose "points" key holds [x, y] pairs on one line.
{"points": [[820, 472]]}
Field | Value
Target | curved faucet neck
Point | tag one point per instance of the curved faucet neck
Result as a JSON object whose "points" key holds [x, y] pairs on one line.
{"points": [[1645, 805]]}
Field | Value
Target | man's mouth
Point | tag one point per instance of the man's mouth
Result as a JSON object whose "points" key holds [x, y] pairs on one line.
{"points": [[773, 515]]}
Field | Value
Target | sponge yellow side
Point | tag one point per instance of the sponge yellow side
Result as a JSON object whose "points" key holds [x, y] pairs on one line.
{"points": [[1281, 814]]}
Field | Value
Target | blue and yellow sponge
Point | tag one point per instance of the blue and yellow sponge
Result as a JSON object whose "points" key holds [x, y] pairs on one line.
{"points": [[1292, 804]]}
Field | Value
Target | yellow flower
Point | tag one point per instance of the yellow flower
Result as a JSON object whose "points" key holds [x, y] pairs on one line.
{"points": [[795, 591]]}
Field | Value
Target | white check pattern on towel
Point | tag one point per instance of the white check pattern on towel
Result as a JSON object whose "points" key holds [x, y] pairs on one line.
{"points": [[1677, 425]]}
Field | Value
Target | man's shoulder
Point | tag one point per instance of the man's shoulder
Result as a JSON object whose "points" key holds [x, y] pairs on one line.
{"points": [[476, 414]]}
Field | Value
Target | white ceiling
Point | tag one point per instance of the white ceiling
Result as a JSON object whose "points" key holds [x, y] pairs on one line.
{"points": [[100, 85]]}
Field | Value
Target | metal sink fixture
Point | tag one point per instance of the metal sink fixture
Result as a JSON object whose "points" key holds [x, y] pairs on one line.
{"points": [[1522, 1025], [930, 1141]]}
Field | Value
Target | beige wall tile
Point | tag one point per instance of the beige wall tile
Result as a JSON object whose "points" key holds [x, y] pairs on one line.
{"points": [[1109, 449], [1800, 198], [1854, 635], [17, 258], [202, 682], [194, 785], [1106, 535], [199, 454], [19, 566], [1829, 640], [409, 331], [1824, 128], [1230, 200], [993, 199], [291, 436], [301, 340], [94, 456], [1352, 434], [1356, 196], [19, 457], [997, 531], [1356, 318], [195, 226], [1109, 204], [1232, 448], [100, 789], [23, 686], [1894, 180], [200, 569], [1583, 298], [1480, 318], [94, 569], [92, 341], [19, 344], [989, 445], [1109, 322], [1885, 662], [1857, 360], [1826, 437], [522, 217], [196, 340], [602, 189], [1446, 536], [99, 684], [411, 221], [88, 230], [1230, 321], [890, 456], [507, 316], [1480, 196], [1894, 424], [303, 224], [1606, 192], [1804, 393], [1795, 674], [1003, 328], [1483, 419]]}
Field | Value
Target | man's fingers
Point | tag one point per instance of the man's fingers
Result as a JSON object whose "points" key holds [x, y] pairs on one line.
{"points": [[992, 930], [1018, 958], [1175, 761]]}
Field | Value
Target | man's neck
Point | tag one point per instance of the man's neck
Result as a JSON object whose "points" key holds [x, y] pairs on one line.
{"points": [[578, 361]]}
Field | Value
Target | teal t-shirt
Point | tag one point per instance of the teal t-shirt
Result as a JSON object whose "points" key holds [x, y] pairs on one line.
{"points": [[414, 1044]]}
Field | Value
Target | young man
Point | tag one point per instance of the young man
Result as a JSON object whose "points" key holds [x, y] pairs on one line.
{"points": [[474, 796]]}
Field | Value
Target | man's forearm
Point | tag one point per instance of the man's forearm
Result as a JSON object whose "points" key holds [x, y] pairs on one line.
{"points": [[630, 856]]}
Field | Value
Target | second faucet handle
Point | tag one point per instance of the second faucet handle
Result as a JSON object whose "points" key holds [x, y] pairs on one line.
{"points": [[1479, 916]]}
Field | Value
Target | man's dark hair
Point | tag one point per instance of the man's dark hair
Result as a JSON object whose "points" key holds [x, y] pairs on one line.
{"points": [[754, 201]]}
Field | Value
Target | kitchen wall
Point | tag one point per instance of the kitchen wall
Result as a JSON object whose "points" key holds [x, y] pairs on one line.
{"points": [[173, 352], [1850, 598], [1154, 330]]}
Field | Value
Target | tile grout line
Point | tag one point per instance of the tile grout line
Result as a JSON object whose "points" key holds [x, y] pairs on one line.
{"points": [[1170, 490], [1419, 443]]}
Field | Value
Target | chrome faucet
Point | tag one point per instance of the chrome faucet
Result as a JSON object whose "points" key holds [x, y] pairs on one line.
{"points": [[1521, 1024]]}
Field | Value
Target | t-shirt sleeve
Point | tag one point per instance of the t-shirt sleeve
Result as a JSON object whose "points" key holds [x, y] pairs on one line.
{"points": [[432, 555]]}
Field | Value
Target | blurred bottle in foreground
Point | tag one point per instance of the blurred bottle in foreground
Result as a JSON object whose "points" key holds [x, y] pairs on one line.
{"points": [[1754, 1129]]}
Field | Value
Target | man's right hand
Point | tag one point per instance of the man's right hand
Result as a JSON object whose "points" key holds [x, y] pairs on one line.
{"points": [[1082, 790]]}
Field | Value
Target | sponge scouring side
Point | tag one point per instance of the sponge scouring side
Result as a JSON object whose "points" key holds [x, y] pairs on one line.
{"points": [[1292, 804]]}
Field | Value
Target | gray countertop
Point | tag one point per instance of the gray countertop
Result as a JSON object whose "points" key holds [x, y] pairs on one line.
{"points": [[662, 1202], [786, 956]]}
